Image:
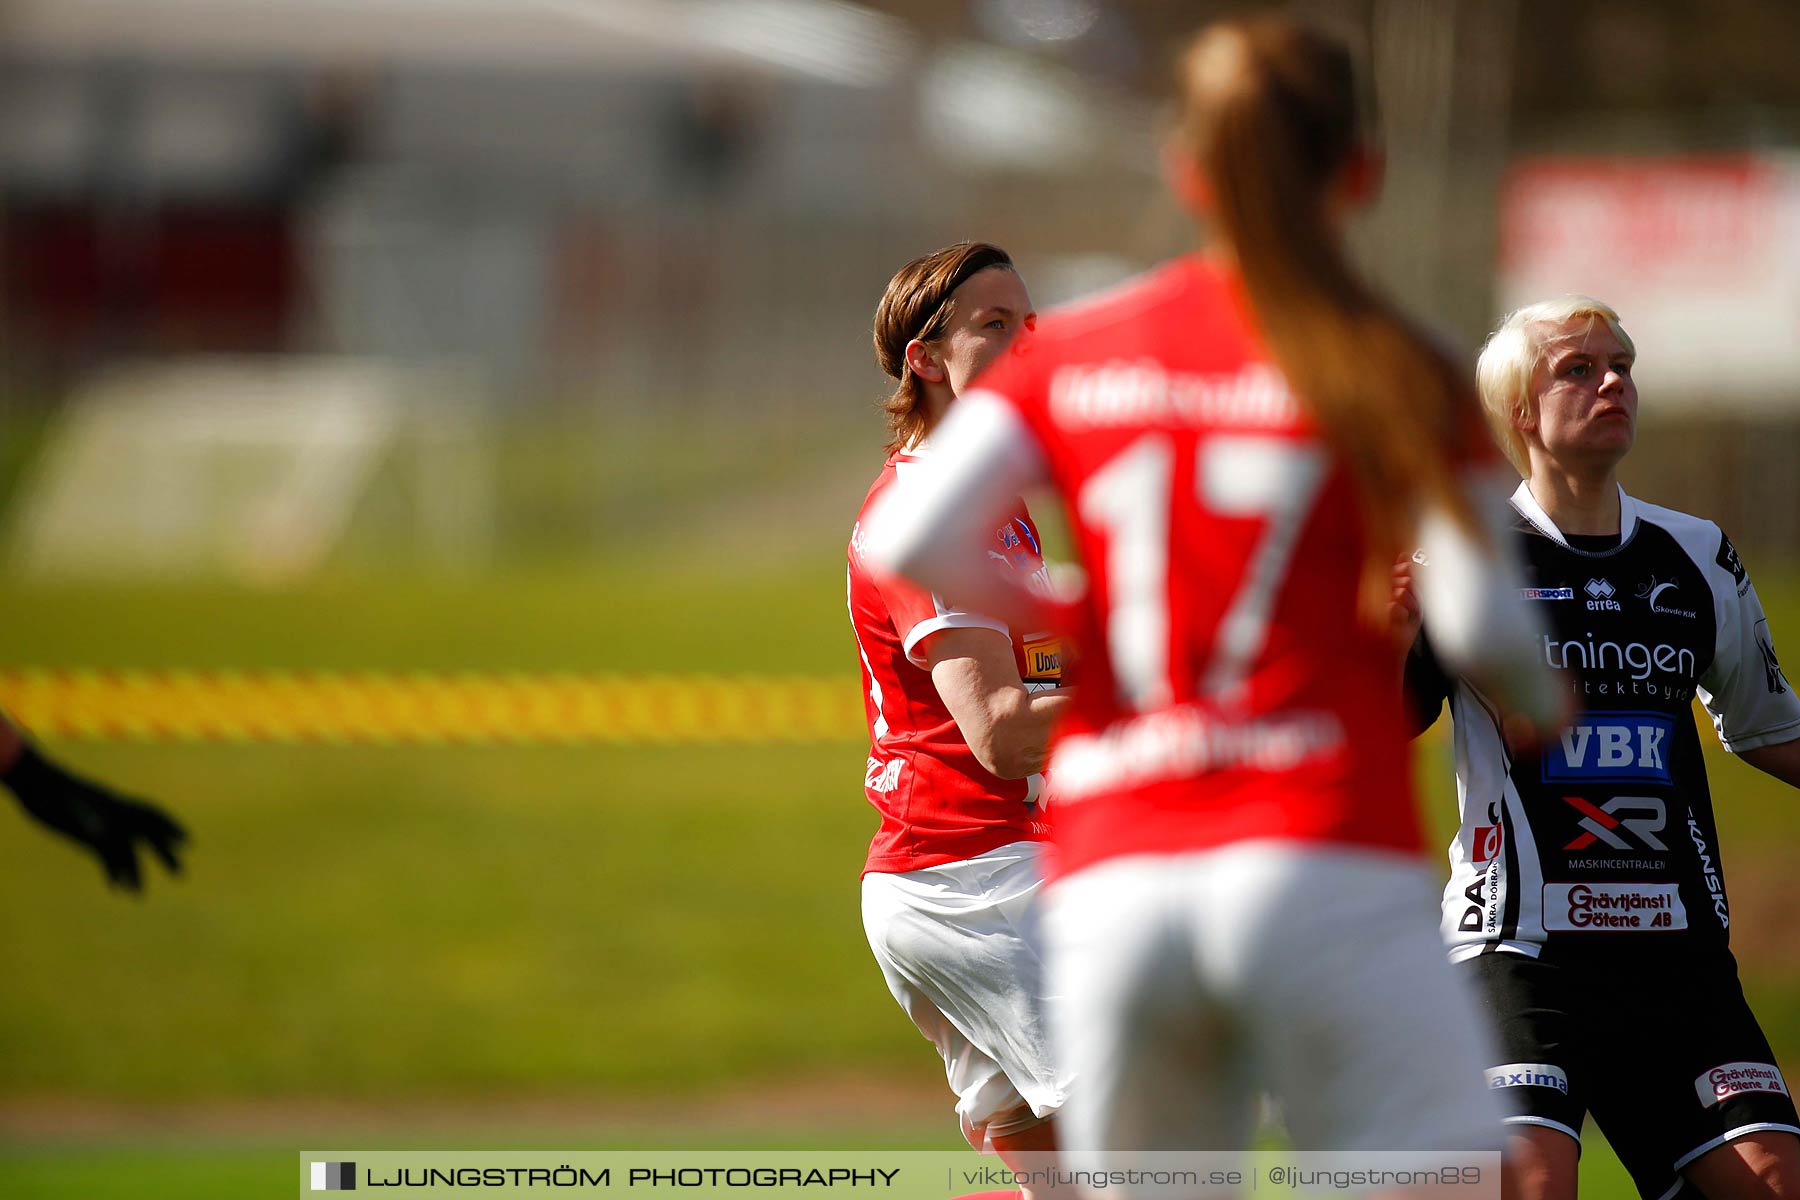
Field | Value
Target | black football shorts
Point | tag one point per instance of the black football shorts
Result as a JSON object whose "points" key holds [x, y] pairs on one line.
{"points": [[1662, 1050]]}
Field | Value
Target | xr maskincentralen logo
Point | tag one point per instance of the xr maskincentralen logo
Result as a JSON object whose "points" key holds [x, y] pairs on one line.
{"points": [[334, 1177]]}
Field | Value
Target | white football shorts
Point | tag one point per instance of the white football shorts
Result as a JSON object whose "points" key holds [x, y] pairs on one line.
{"points": [[1189, 984], [957, 944]]}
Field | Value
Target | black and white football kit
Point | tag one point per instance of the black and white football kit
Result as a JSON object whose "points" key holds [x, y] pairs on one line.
{"points": [[1586, 893]]}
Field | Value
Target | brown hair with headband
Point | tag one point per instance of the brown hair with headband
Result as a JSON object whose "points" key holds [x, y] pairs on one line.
{"points": [[918, 304]]}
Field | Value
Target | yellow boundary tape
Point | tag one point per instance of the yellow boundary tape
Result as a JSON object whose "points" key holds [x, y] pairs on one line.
{"points": [[381, 708]]}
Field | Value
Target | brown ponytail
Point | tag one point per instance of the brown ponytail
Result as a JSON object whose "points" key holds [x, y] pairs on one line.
{"points": [[1269, 111], [918, 304]]}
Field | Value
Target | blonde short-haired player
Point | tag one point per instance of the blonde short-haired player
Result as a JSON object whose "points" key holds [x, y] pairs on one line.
{"points": [[1587, 896]]}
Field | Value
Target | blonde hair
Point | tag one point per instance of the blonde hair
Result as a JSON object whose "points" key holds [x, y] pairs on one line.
{"points": [[1270, 112], [1510, 359]]}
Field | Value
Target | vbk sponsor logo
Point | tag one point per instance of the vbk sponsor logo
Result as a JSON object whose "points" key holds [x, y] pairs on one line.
{"points": [[1535, 593], [1545, 1075], [1613, 907], [1618, 746], [334, 1177], [1600, 596], [1641, 816], [1485, 846], [1734, 1079], [1657, 596]]}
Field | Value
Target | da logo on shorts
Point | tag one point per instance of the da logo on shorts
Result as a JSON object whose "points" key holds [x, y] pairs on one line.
{"points": [[1734, 1079], [1544, 1075]]}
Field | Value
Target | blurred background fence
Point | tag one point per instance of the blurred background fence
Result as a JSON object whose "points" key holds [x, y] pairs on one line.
{"points": [[525, 336], [583, 223]]}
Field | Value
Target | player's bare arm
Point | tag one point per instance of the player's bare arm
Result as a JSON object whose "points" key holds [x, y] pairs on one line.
{"points": [[978, 678], [1782, 760]]}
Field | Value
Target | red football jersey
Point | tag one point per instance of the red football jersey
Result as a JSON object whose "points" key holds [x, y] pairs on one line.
{"points": [[1228, 689], [937, 802]]}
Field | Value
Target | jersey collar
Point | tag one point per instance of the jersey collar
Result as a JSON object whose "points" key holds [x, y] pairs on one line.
{"points": [[918, 451], [1528, 507]]}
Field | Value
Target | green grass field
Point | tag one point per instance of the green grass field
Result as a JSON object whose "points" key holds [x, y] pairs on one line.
{"points": [[661, 943]]}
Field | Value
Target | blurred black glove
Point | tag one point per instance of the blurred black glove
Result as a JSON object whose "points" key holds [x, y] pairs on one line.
{"points": [[111, 826]]}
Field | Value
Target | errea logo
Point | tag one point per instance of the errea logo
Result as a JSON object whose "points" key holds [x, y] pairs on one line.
{"points": [[1600, 596]]}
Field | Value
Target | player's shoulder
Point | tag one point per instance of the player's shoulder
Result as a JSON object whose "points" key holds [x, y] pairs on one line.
{"points": [[1697, 535], [1681, 524], [1125, 305], [884, 479], [1702, 540]]}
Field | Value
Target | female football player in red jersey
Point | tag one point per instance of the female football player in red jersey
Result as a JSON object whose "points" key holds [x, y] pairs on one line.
{"points": [[1244, 439], [959, 707]]}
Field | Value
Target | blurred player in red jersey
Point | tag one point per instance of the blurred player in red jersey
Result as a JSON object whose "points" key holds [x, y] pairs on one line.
{"points": [[959, 707], [1244, 439]]}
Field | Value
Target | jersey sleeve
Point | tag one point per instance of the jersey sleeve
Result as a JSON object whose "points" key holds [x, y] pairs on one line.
{"points": [[1481, 628], [1427, 685], [942, 534], [1750, 700], [918, 613]]}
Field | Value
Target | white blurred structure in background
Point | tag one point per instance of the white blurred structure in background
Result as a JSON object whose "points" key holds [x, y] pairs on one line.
{"points": [[1699, 253], [249, 470], [671, 219]]}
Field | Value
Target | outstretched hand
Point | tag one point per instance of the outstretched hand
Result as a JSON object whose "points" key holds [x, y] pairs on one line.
{"points": [[1404, 614], [110, 825]]}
